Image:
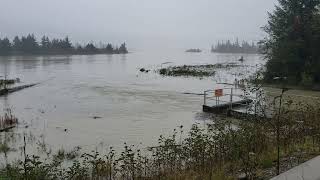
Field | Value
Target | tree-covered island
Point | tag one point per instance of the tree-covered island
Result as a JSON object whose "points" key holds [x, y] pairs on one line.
{"points": [[28, 45], [235, 47]]}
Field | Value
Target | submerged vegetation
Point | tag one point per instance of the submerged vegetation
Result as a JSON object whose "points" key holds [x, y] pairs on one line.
{"points": [[29, 45], [5, 82], [185, 71], [195, 70], [235, 47]]}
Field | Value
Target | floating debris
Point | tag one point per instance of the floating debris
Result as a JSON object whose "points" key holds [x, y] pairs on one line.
{"points": [[167, 63], [241, 59], [9, 81], [194, 50], [144, 70], [96, 117]]}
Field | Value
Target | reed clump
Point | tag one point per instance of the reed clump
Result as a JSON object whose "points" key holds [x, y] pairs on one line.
{"points": [[8, 120]]}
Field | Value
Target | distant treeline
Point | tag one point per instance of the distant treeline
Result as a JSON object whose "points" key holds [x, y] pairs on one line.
{"points": [[29, 45], [235, 47]]}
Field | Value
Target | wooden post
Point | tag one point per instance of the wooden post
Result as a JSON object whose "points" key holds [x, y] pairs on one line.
{"points": [[255, 104], [205, 98], [231, 98]]}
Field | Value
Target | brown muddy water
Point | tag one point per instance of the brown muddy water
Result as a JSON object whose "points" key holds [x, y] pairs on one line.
{"points": [[103, 100]]}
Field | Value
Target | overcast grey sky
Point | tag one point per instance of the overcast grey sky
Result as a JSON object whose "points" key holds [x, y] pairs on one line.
{"points": [[141, 23]]}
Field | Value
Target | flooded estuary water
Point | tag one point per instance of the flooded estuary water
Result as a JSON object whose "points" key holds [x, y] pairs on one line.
{"points": [[104, 100]]}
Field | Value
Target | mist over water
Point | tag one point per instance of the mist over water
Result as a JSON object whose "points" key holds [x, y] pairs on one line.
{"points": [[143, 24]]}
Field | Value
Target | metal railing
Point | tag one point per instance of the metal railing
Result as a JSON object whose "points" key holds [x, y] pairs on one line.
{"points": [[230, 95], [263, 102]]}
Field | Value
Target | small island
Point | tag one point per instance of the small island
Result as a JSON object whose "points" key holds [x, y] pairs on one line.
{"points": [[28, 45], [194, 50]]}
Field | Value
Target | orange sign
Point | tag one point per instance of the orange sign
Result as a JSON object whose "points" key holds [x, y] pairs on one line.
{"points": [[218, 92]]}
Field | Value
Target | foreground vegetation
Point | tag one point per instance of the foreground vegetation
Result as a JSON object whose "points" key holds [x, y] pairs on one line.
{"points": [[5, 82], [29, 45], [225, 149]]}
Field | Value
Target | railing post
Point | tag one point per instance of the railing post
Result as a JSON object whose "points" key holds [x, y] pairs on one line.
{"points": [[205, 98], [231, 98], [255, 104]]}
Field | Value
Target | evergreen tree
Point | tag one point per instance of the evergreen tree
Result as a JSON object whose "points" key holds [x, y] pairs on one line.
{"points": [[91, 48], [55, 44], [67, 44], [45, 43], [109, 49], [290, 44], [315, 47], [5, 46], [29, 44], [17, 44], [123, 49]]}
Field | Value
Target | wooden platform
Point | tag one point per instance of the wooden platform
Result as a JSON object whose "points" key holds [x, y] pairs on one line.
{"points": [[224, 108]]}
